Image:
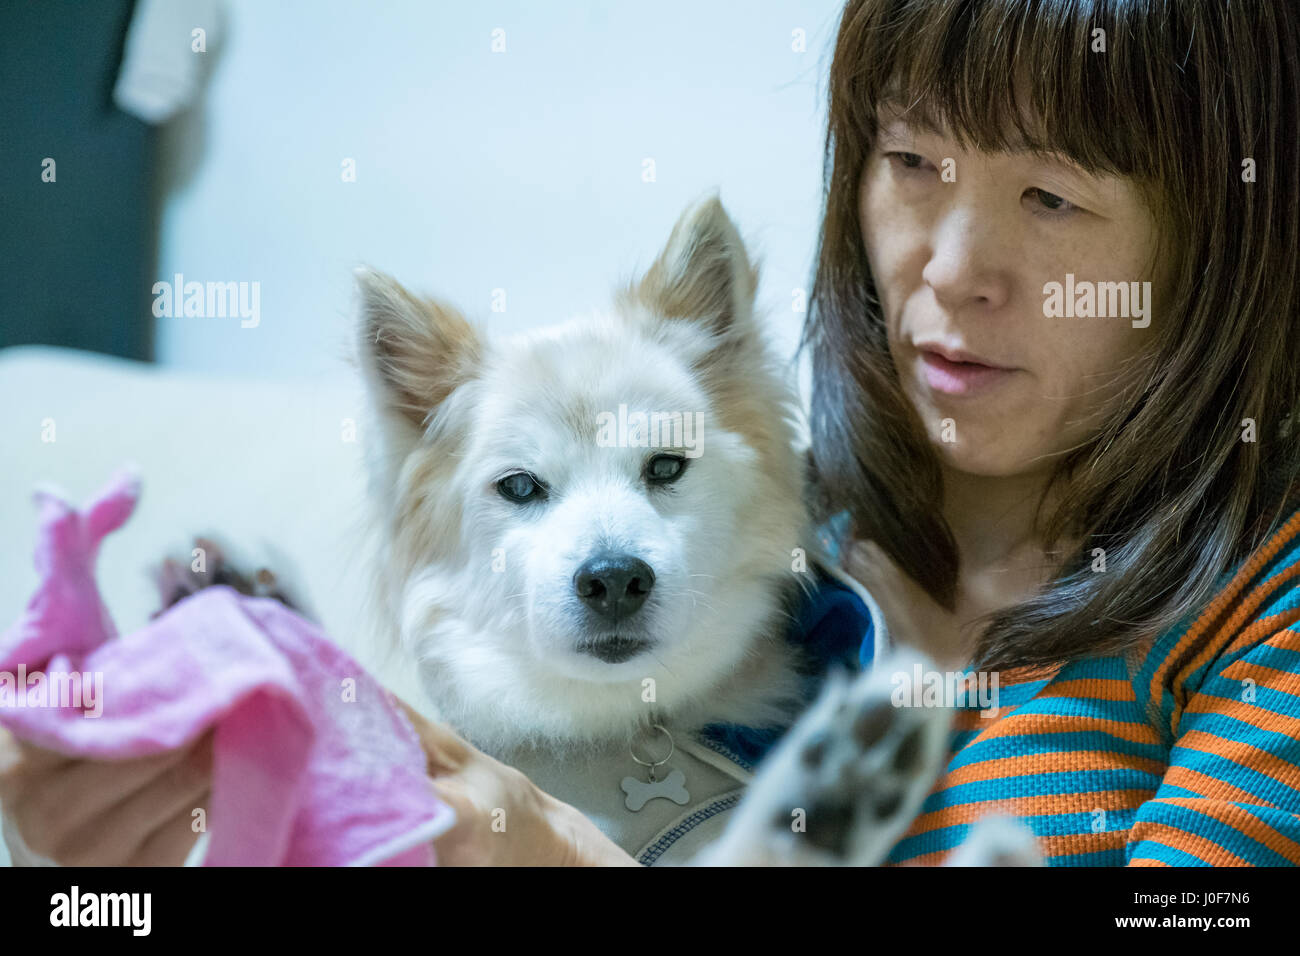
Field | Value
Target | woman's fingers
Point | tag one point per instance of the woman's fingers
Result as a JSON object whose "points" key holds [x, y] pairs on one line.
{"points": [[60, 808], [116, 834], [447, 752], [501, 817], [59, 801], [170, 843], [18, 756]]}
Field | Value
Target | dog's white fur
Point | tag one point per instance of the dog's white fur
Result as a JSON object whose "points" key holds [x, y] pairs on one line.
{"points": [[480, 589]]}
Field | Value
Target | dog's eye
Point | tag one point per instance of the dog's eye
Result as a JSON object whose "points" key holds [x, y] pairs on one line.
{"points": [[662, 469], [520, 486]]}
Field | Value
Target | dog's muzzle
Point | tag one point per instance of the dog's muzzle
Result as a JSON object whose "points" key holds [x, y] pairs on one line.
{"points": [[613, 587]]}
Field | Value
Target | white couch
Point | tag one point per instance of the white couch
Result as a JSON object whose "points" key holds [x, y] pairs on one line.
{"points": [[263, 465]]}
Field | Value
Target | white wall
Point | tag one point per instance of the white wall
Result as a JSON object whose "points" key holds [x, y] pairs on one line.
{"points": [[520, 170], [477, 170]]}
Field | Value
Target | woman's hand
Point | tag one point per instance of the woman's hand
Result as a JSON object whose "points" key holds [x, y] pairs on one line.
{"points": [[103, 813], [913, 617], [138, 812], [502, 817]]}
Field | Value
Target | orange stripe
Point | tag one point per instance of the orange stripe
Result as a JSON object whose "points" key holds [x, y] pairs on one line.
{"points": [[929, 859], [1281, 622], [1024, 764], [1095, 688], [1288, 682], [1205, 850], [1245, 823], [1040, 805], [1245, 609], [1070, 844], [1231, 638], [1262, 632], [1258, 717], [1220, 602], [1049, 846], [1211, 788], [1259, 595], [1020, 725], [1245, 755]]}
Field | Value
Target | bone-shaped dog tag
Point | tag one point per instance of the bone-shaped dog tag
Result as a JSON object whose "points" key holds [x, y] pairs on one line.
{"points": [[640, 792]]}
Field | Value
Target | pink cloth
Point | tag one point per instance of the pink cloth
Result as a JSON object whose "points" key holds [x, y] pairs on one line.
{"points": [[312, 765]]}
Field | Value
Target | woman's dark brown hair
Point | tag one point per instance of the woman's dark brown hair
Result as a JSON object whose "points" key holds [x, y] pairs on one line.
{"points": [[1185, 92]]}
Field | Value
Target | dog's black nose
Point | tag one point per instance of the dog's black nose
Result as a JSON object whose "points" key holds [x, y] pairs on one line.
{"points": [[614, 585]]}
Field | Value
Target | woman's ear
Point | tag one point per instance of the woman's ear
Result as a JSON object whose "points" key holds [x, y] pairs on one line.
{"points": [[414, 352], [703, 273]]}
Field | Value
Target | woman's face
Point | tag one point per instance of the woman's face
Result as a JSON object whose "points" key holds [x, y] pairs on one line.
{"points": [[961, 245]]}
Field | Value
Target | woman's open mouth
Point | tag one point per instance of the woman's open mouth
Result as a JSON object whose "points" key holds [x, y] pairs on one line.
{"points": [[950, 374]]}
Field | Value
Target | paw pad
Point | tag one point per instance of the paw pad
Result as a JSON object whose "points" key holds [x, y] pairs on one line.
{"points": [[177, 580]]}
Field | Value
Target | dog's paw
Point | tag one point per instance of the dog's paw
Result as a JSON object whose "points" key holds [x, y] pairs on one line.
{"points": [[997, 840], [212, 564], [847, 780]]}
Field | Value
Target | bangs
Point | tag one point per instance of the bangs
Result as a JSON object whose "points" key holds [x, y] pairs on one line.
{"points": [[1017, 75], [1197, 102]]}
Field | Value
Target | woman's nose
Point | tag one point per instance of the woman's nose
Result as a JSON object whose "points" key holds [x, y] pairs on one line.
{"points": [[967, 265]]}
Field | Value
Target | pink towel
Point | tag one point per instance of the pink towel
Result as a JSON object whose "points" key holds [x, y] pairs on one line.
{"points": [[311, 763]]}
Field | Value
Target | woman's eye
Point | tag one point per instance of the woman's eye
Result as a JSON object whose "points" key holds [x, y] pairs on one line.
{"points": [[662, 469], [1050, 201], [520, 486], [911, 161]]}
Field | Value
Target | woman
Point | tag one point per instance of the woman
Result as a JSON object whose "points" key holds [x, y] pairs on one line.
{"points": [[1099, 507]]}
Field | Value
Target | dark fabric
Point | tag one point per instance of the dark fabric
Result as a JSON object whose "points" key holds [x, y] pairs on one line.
{"points": [[78, 253], [833, 626]]}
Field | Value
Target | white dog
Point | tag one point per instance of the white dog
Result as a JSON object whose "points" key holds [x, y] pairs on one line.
{"points": [[590, 546]]}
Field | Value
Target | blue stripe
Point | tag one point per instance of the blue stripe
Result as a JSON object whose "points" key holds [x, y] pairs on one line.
{"points": [[1112, 857], [1206, 826], [1095, 668], [1151, 850], [1050, 783], [1239, 731], [1054, 742], [1257, 784]]}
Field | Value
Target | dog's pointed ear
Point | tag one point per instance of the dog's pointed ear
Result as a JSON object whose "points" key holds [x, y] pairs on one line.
{"points": [[703, 273], [417, 351]]}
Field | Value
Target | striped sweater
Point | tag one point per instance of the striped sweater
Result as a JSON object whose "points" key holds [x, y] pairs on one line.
{"points": [[1185, 752]]}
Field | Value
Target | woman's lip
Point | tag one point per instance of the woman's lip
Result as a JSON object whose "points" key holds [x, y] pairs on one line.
{"points": [[958, 355], [950, 377]]}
